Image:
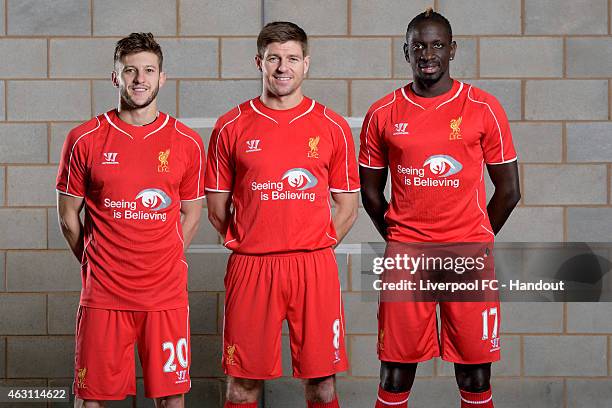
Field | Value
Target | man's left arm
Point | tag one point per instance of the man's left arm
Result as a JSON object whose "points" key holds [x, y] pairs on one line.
{"points": [[345, 212], [191, 211], [505, 178]]}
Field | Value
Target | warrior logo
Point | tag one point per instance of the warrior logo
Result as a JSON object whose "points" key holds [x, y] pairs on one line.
{"points": [[154, 199], [381, 340], [400, 129], [163, 161], [442, 165], [252, 145], [456, 132], [313, 143], [299, 178], [110, 158]]}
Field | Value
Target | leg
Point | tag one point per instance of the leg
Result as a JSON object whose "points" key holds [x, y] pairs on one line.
{"points": [[397, 377], [320, 390], [243, 390], [171, 401], [79, 403], [473, 377]]}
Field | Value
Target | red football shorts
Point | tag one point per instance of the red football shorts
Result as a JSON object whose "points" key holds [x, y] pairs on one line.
{"points": [[261, 292], [469, 333], [104, 362], [407, 321]]}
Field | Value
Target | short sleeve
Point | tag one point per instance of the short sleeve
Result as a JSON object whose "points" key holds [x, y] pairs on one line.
{"points": [[192, 182], [220, 168], [372, 152], [72, 174], [343, 174], [496, 142]]}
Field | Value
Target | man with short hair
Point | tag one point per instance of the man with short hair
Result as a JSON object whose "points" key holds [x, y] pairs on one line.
{"points": [[275, 159], [139, 175], [435, 135]]}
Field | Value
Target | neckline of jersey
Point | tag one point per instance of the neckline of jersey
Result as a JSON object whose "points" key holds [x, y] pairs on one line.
{"points": [[435, 102], [284, 115], [133, 131]]}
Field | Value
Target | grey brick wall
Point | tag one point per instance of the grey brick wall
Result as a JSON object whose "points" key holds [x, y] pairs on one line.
{"points": [[549, 62]]}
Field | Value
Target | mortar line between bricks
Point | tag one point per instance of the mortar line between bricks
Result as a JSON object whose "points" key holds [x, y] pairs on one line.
{"points": [[219, 58], [47, 228], [521, 356], [564, 142], [349, 17], [523, 17], [564, 393], [565, 307], [477, 57], [349, 271], [47, 313], [178, 98], [565, 237], [349, 95], [523, 98], [564, 56], [91, 98], [609, 180], [5, 96], [48, 58], [91, 17], [609, 19], [609, 99], [522, 183], [178, 18], [608, 356]]}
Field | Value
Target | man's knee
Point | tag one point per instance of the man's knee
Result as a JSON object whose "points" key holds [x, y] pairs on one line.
{"points": [[243, 390], [321, 389], [397, 377], [171, 401], [473, 377]]}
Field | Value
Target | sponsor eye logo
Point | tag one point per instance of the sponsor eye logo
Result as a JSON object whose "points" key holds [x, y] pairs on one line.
{"points": [[252, 145], [442, 165], [456, 131], [313, 144], [154, 199], [299, 178], [163, 162], [110, 158], [400, 129]]}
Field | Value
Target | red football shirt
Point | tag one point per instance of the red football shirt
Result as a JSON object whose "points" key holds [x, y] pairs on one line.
{"points": [[133, 179], [436, 150], [280, 166]]}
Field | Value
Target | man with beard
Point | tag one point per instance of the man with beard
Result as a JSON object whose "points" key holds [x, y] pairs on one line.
{"points": [[435, 135], [277, 158], [139, 175]]}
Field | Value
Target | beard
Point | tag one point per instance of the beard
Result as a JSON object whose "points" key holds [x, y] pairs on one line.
{"points": [[128, 103]]}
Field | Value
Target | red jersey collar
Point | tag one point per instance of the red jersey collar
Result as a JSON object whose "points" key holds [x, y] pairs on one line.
{"points": [[283, 116], [435, 102], [136, 132]]}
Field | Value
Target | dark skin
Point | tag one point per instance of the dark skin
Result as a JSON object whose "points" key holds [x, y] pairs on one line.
{"points": [[429, 49]]}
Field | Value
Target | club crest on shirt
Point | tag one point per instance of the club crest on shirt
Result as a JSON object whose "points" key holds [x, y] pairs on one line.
{"points": [[400, 129], [456, 131], [230, 350], [313, 144], [81, 372], [163, 162]]}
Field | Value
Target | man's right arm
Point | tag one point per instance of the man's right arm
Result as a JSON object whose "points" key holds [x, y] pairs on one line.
{"points": [[68, 210], [219, 212], [373, 183]]}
